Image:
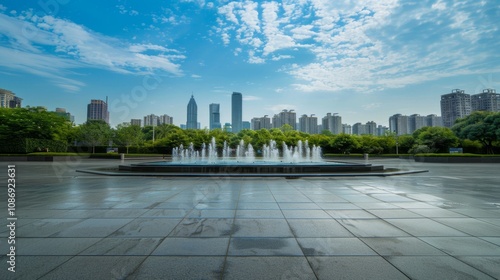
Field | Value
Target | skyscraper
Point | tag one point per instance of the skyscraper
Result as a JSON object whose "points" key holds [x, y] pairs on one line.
{"points": [[214, 111], [454, 105], [236, 112], [192, 114], [98, 110]]}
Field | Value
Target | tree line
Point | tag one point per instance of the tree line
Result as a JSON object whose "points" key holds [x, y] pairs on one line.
{"points": [[476, 133]]}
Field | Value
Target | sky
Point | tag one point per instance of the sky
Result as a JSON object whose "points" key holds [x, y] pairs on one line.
{"points": [[365, 60]]}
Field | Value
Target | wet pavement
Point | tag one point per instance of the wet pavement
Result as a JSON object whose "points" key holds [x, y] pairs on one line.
{"points": [[444, 224]]}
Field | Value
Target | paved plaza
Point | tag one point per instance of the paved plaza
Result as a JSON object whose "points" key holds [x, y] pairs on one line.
{"points": [[443, 224]]}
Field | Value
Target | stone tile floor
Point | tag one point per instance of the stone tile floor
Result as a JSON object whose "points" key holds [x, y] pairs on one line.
{"points": [[444, 224]]}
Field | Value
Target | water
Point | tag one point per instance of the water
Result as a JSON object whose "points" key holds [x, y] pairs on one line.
{"points": [[245, 153]]}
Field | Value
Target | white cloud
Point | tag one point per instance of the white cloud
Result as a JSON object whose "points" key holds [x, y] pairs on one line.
{"points": [[251, 98], [77, 47], [364, 45], [195, 76], [280, 107], [3, 8]]}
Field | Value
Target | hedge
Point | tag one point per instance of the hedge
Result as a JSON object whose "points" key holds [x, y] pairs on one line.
{"points": [[30, 145]]}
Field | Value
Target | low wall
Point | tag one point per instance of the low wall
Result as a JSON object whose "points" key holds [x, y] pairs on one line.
{"points": [[455, 159], [40, 158]]}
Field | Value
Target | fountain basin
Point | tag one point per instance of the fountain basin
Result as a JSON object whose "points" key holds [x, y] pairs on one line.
{"points": [[234, 167]]}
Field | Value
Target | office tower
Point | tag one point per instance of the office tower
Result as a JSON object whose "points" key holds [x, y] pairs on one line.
{"points": [[346, 129], [332, 123], [135, 122], [9, 100], [192, 114], [236, 112], [98, 110], [246, 125], [433, 120], [259, 123], [285, 117], [214, 111], [399, 124], [455, 105], [488, 100], [227, 127], [308, 124]]}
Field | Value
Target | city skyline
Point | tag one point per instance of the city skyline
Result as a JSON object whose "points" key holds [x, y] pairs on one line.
{"points": [[365, 61]]}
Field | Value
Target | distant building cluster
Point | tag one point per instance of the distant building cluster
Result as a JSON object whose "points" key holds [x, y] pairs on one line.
{"points": [[459, 104], [401, 124], [454, 105]]}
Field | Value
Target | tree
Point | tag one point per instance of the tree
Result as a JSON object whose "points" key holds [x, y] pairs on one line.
{"points": [[370, 144], [94, 133], [481, 126], [33, 122], [343, 143], [128, 135], [437, 139]]}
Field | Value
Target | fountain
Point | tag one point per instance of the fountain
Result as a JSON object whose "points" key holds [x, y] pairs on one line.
{"points": [[296, 160], [246, 153]]}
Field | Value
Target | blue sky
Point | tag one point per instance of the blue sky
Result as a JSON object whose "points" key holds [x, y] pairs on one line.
{"points": [[365, 60]]}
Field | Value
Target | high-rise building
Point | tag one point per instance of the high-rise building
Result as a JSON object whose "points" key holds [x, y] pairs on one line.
{"points": [[433, 120], [151, 120], [155, 120], [285, 117], [371, 128], [62, 112], [246, 125], [214, 111], [135, 122], [192, 114], [308, 124], [236, 112], [455, 105], [359, 129], [488, 100], [346, 129], [165, 119], [9, 100], [415, 122], [259, 123], [381, 130], [332, 123], [98, 110], [399, 124]]}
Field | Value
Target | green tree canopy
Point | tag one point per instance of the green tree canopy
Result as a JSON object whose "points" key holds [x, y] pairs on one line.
{"points": [[34, 122], [94, 133], [343, 143], [437, 139], [481, 126], [128, 135]]}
